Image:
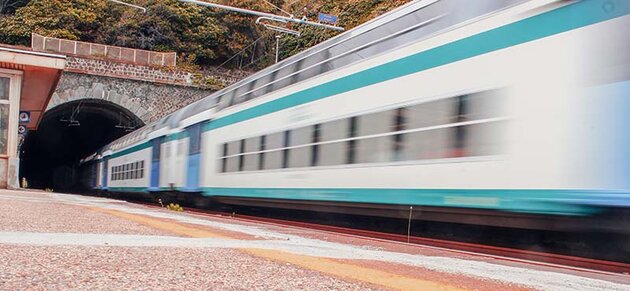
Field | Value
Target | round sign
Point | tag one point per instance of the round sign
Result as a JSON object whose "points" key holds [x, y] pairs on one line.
{"points": [[25, 117], [21, 129]]}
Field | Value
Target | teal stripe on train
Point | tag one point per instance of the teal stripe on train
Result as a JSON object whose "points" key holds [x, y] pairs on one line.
{"points": [[560, 20], [128, 189], [566, 202], [130, 150], [147, 144], [142, 189]]}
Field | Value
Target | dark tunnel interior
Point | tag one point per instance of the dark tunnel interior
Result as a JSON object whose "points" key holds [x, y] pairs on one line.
{"points": [[49, 156]]}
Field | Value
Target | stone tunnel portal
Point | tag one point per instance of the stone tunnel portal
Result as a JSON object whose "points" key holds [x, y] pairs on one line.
{"points": [[68, 133]]}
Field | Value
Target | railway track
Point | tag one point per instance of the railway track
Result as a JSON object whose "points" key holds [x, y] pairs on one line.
{"points": [[495, 252]]}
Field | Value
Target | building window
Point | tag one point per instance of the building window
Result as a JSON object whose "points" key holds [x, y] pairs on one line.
{"points": [[5, 84]]}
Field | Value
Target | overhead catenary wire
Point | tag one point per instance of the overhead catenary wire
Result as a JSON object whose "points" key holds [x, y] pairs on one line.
{"points": [[241, 51], [144, 10], [282, 10], [264, 14]]}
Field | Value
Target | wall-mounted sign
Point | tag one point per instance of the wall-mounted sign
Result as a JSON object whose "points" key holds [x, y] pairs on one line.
{"points": [[25, 117], [22, 129], [327, 18]]}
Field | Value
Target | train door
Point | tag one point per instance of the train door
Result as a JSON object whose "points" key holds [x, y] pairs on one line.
{"points": [[156, 145], [104, 174], [194, 153]]}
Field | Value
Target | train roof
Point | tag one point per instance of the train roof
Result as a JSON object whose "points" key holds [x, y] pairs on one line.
{"points": [[410, 23]]}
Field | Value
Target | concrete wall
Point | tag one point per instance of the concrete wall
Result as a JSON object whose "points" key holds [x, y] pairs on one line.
{"points": [[114, 53]]}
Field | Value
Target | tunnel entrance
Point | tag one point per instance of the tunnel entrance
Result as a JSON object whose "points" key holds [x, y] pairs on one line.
{"points": [[68, 133]]}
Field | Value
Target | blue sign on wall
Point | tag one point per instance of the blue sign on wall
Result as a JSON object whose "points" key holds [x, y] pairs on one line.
{"points": [[327, 18]]}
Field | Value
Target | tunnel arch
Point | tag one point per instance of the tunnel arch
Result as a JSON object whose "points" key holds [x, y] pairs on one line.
{"points": [[76, 87], [67, 133]]}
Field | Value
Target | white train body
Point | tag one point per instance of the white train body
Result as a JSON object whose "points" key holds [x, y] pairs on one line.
{"points": [[496, 113]]}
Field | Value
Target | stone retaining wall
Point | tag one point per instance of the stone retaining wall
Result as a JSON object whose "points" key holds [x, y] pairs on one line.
{"points": [[126, 70]]}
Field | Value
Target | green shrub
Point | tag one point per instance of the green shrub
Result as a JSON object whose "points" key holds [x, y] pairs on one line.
{"points": [[175, 207]]}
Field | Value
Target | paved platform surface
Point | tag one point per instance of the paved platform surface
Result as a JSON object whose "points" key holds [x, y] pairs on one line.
{"points": [[52, 241]]}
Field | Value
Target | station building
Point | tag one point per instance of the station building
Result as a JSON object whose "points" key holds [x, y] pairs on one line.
{"points": [[27, 82]]}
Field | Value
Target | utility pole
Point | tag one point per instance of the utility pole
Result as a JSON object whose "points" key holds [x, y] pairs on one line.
{"points": [[277, 47]]}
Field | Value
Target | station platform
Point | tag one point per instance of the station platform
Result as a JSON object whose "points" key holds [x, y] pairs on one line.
{"points": [[62, 241]]}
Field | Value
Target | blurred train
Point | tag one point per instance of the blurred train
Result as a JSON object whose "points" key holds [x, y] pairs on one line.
{"points": [[507, 113]]}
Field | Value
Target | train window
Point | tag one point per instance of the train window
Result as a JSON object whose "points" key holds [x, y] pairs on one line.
{"points": [[224, 160], [263, 143], [375, 123], [156, 144], [261, 156], [285, 152], [273, 160], [300, 157], [232, 164], [400, 122], [373, 150], [351, 144], [315, 139], [224, 150], [195, 139], [334, 130], [431, 113], [250, 162], [459, 133], [429, 144], [484, 139], [274, 141], [485, 104], [241, 158], [141, 172], [234, 148], [301, 136], [252, 144], [334, 154], [398, 145]]}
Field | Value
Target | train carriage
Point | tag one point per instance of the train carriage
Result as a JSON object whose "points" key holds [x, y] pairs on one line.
{"points": [[465, 114]]}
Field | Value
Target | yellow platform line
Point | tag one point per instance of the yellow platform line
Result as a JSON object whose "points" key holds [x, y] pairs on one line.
{"points": [[327, 266], [351, 271], [172, 227]]}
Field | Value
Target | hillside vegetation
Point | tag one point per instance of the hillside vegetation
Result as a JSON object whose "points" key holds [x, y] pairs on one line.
{"points": [[201, 36]]}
